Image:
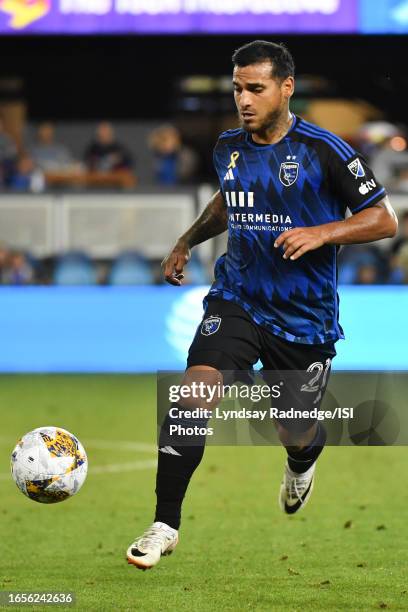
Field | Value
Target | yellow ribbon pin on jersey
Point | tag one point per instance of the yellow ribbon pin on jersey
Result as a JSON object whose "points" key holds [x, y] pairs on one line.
{"points": [[234, 157]]}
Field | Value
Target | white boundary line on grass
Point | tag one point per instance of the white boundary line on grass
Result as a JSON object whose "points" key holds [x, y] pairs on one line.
{"points": [[123, 467], [141, 447], [111, 468], [123, 445]]}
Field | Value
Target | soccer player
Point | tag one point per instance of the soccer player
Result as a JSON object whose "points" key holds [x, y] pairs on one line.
{"points": [[285, 185]]}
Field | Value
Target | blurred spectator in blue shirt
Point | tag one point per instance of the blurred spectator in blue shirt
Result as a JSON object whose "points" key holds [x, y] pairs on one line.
{"points": [[105, 153], [19, 271], [26, 177], [174, 162], [48, 154]]}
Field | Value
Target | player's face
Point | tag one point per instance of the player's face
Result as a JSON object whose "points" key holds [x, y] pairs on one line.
{"points": [[260, 98]]}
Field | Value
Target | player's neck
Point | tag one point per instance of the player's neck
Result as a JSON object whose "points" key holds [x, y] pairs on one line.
{"points": [[276, 132]]}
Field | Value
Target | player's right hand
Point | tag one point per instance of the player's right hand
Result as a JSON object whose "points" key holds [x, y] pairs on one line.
{"points": [[174, 263]]}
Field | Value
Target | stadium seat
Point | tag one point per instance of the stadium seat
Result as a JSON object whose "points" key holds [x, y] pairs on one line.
{"points": [[353, 257], [195, 272], [131, 268], [74, 269]]}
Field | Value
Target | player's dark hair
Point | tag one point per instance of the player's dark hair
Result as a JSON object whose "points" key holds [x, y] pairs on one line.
{"points": [[259, 51]]}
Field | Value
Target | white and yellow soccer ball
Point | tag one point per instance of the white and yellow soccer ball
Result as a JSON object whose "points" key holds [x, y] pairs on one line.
{"points": [[49, 464]]}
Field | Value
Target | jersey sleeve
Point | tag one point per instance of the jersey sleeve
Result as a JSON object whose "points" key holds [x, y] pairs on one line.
{"points": [[353, 182], [218, 169], [217, 165]]}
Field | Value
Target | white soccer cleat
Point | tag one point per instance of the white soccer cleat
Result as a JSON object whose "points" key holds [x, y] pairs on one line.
{"points": [[296, 489], [158, 540]]}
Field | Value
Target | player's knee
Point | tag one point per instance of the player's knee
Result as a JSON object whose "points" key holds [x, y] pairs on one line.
{"points": [[203, 387]]}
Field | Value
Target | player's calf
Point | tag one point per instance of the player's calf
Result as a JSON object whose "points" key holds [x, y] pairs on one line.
{"points": [[298, 478]]}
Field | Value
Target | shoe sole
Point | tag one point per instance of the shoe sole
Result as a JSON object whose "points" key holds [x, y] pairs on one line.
{"points": [[133, 561]]}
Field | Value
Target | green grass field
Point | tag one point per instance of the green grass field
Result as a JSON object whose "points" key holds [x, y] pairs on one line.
{"points": [[346, 551]]}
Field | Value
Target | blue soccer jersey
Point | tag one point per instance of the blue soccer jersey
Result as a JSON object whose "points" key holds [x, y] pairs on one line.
{"points": [[308, 178]]}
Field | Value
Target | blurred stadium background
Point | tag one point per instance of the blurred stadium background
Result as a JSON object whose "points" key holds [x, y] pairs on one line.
{"points": [[109, 111]]}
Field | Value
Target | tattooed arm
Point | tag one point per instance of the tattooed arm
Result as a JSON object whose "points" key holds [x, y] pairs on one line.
{"points": [[211, 222]]}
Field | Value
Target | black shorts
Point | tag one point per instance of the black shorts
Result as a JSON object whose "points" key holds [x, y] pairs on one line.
{"points": [[228, 339]]}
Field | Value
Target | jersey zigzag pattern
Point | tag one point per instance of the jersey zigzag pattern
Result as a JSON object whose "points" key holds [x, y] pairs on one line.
{"points": [[308, 178]]}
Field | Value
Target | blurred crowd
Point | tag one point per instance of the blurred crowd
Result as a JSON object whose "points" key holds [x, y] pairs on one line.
{"points": [[357, 265], [48, 163], [371, 265], [385, 147], [21, 268], [106, 161]]}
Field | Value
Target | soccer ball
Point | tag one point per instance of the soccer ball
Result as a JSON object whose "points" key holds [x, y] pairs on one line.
{"points": [[49, 465]]}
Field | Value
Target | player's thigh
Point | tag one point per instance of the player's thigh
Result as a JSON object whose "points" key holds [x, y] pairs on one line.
{"points": [[304, 370], [226, 339]]}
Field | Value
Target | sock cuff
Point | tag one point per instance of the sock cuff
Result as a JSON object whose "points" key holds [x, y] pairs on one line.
{"points": [[310, 453], [319, 439]]}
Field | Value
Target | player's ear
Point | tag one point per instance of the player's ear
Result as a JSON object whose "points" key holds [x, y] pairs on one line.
{"points": [[288, 87]]}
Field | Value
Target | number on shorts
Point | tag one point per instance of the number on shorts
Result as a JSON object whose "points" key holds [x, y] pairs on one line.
{"points": [[318, 368]]}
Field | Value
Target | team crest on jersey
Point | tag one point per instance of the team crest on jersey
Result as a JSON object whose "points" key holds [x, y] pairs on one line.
{"points": [[210, 326], [288, 173], [356, 168]]}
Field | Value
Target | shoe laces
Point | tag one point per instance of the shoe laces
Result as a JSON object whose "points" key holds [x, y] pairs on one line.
{"points": [[154, 536], [296, 484]]}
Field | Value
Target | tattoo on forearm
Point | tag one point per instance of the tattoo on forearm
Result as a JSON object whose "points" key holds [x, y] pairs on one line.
{"points": [[212, 222]]}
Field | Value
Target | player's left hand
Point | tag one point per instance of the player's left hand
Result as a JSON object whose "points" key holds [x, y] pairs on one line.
{"points": [[298, 241]]}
